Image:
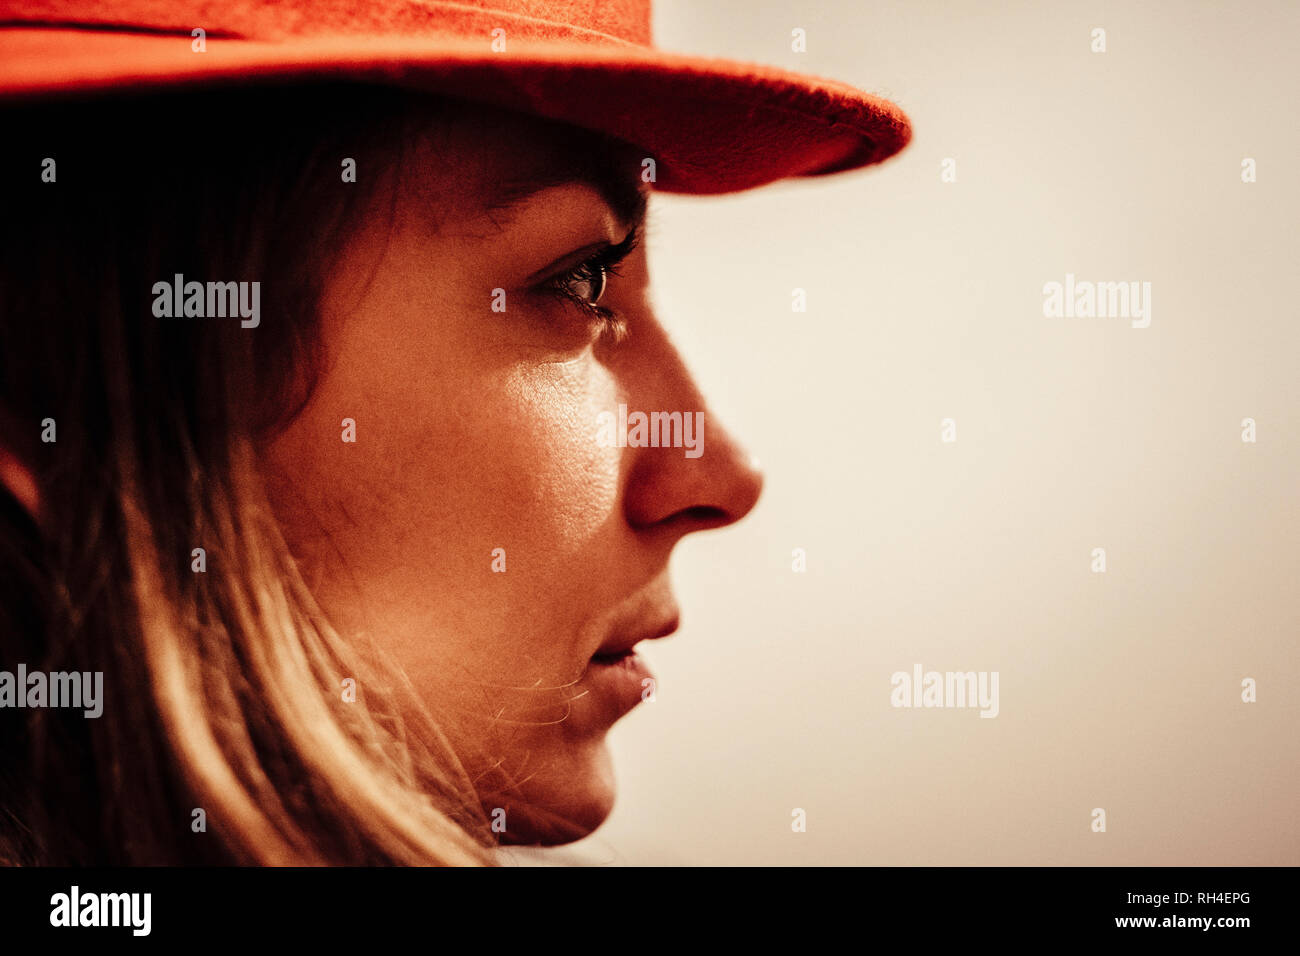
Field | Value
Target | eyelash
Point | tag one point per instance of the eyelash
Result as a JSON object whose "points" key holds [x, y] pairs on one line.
{"points": [[606, 261]]}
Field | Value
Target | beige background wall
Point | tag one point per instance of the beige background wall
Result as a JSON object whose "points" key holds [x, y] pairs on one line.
{"points": [[1118, 690]]}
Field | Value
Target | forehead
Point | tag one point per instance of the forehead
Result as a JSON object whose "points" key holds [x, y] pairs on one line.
{"points": [[468, 160]]}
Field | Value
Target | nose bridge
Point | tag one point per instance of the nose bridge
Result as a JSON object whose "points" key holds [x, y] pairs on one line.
{"points": [[684, 463], [664, 378]]}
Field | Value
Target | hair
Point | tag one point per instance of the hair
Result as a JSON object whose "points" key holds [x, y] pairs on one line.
{"points": [[223, 689]]}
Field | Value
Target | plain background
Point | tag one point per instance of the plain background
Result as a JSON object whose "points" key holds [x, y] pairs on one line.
{"points": [[1119, 690]]}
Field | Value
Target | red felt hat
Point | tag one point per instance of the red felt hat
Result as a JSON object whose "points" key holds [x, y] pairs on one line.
{"points": [[712, 125]]}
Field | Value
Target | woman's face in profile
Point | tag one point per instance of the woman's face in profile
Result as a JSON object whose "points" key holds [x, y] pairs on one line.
{"points": [[482, 531]]}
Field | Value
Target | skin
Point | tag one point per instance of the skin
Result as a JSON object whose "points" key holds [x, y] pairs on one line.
{"points": [[476, 430]]}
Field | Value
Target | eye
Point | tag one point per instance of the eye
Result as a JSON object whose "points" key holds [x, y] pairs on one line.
{"points": [[585, 284]]}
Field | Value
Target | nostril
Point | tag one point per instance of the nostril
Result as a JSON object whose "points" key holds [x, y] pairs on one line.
{"points": [[705, 516]]}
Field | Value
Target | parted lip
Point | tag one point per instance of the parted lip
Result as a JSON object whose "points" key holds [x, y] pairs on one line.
{"points": [[622, 644]]}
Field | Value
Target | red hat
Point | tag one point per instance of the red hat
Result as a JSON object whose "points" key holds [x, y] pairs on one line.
{"points": [[711, 125]]}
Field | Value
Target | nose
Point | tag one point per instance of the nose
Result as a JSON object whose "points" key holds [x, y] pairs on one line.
{"points": [[672, 484], [693, 494]]}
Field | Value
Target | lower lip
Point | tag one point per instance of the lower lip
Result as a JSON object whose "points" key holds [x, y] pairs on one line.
{"points": [[617, 682]]}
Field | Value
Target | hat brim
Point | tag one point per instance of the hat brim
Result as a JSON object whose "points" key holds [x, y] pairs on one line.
{"points": [[712, 125]]}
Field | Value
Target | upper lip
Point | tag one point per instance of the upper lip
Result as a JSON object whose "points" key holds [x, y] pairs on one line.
{"points": [[623, 643]]}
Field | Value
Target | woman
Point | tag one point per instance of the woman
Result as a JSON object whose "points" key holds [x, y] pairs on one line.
{"points": [[320, 419]]}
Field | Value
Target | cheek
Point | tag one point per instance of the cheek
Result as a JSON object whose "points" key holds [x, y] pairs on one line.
{"points": [[480, 456], [470, 438], [518, 460]]}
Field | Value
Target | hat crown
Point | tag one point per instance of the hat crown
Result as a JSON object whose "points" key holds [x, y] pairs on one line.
{"points": [[580, 20]]}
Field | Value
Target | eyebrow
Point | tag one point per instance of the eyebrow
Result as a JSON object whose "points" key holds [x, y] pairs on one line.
{"points": [[620, 190]]}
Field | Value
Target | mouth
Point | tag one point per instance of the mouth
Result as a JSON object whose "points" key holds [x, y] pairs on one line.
{"points": [[613, 657], [617, 677], [621, 648]]}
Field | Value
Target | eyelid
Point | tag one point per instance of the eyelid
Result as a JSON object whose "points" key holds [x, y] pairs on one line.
{"points": [[567, 263], [598, 253], [607, 258]]}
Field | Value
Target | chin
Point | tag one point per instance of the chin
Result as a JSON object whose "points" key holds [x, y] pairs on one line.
{"points": [[564, 803]]}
